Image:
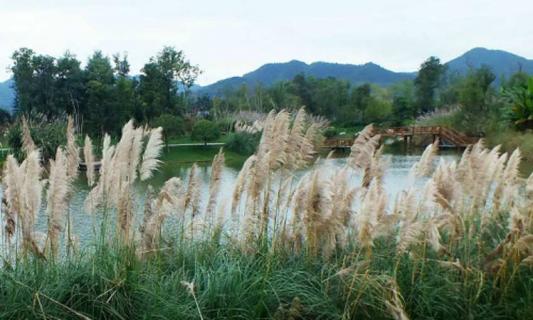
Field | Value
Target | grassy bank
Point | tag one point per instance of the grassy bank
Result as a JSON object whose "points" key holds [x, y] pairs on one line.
{"points": [[510, 140], [229, 283]]}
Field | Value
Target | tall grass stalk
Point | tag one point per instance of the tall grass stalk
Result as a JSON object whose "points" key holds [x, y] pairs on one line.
{"points": [[457, 244]]}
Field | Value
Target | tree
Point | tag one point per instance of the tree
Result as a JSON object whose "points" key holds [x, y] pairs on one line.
{"points": [[427, 82], [359, 99], [520, 100], [122, 66], [302, 88], [281, 97], [329, 94], [69, 84], [34, 77], [474, 94], [172, 125], [378, 110], [205, 131], [163, 77], [44, 72], [126, 103], [22, 69], [99, 95], [403, 102]]}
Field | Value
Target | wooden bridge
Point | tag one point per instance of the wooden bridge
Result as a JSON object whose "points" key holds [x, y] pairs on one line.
{"points": [[447, 137]]}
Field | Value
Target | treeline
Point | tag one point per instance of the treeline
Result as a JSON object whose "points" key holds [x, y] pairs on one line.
{"points": [[474, 102], [103, 94]]}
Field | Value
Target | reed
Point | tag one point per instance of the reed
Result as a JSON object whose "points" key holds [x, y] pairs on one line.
{"points": [[458, 243]]}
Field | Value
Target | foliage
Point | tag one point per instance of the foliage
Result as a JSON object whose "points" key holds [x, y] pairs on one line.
{"points": [[427, 82], [55, 86], [205, 130], [330, 132], [48, 134], [521, 103], [173, 126], [5, 117], [242, 142], [103, 94]]}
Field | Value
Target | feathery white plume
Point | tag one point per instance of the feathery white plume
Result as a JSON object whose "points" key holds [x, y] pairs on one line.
{"points": [[27, 142], [150, 160], [57, 198], [89, 160], [72, 151]]}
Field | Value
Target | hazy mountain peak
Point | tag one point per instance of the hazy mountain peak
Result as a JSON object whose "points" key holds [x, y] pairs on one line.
{"points": [[502, 63]]}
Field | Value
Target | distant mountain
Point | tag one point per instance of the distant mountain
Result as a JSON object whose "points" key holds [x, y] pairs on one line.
{"points": [[502, 63], [7, 95], [270, 73]]}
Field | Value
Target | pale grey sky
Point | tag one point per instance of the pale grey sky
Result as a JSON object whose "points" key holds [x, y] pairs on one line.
{"points": [[231, 37]]}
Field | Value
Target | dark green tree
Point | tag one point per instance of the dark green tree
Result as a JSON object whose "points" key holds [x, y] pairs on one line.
{"points": [[163, 78], [205, 130], [22, 69], [100, 114], [474, 99], [126, 103], [520, 101], [34, 77], [173, 126], [69, 87], [403, 103], [301, 87], [427, 82]]}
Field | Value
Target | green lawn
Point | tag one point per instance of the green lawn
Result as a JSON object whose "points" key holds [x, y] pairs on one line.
{"points": [[188, 139]]}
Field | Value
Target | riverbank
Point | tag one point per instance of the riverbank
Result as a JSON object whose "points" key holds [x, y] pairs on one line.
{"points": [[510, 140], [216, 280]]}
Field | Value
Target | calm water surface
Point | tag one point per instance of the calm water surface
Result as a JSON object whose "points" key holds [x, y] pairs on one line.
{"points": [[395, 180]]}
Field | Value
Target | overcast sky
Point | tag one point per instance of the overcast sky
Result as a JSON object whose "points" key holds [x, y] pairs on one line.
{"points": [[231, 37]]}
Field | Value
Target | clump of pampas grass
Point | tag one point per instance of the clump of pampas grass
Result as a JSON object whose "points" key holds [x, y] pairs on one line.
{"points": [[27, 142], [121, 165], [57, 198], [89, 160], [214, 184], [23, 187], [424, 165]]}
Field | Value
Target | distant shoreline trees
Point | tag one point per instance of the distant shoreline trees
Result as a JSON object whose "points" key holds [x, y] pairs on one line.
{"points": [[103, 94]]}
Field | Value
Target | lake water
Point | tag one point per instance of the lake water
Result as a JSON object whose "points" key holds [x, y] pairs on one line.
{"points": [[395, 180]]}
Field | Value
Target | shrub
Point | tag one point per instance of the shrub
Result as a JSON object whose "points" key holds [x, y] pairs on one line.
{"points": [[173, 126], [242, 142], [205, 131], [47, 135], [330, 132]]}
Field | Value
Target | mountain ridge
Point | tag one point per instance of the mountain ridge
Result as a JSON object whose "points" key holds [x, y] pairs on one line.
{"points": [[502, 63]]}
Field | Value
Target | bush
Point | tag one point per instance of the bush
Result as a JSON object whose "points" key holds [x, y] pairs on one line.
{"points": [[173, 126], [47, 135], [205, 130], [243, 143], [330, 132]]}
